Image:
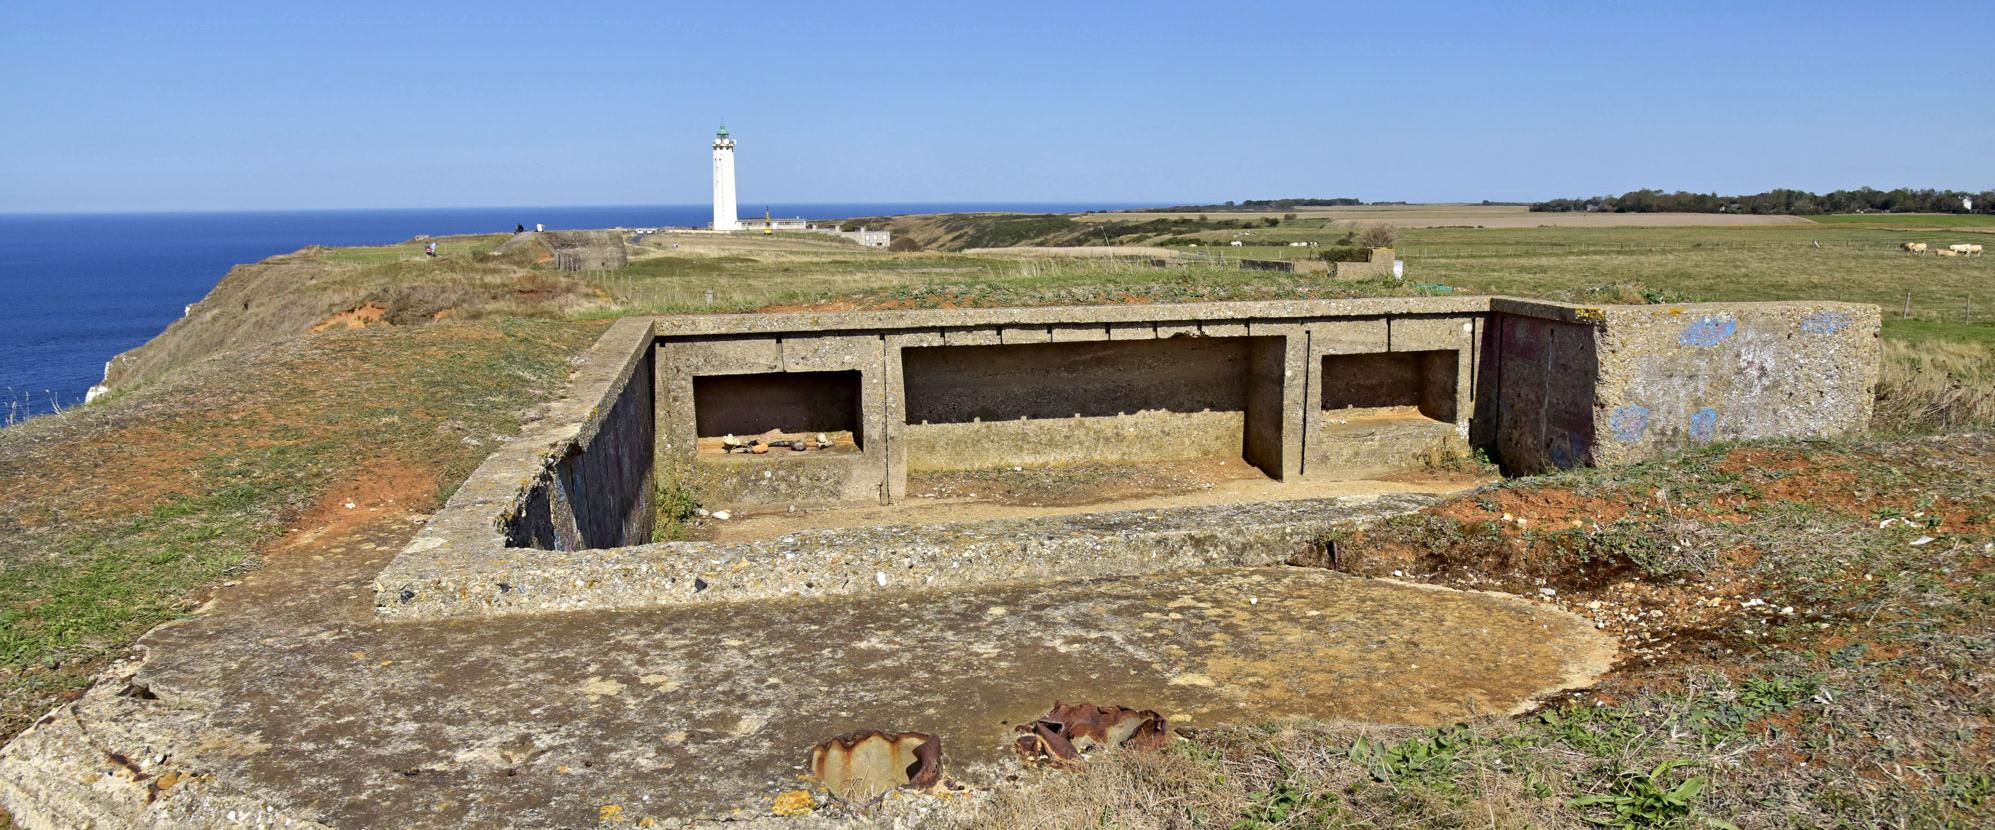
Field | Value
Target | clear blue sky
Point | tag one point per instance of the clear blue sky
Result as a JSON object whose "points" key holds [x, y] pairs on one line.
{"points": [[248, 105]]}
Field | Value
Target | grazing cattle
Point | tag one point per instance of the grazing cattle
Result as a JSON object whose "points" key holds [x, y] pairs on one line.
{"points": [[1913, 247], [1973, 249], [1947, 252]]}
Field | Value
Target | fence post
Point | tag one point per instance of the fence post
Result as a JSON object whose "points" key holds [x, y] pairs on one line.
{"points": [[1908, 306]]}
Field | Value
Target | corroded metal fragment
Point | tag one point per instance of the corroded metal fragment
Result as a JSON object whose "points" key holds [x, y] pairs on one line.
{"points": [[862, 765], [1063, 733]]}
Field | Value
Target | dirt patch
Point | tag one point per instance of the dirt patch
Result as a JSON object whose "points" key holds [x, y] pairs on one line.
{"points": [[380, 487], [1519, 510], [359, 317]]}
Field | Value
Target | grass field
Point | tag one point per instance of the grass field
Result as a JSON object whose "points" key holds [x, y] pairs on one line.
{"points": [[1486, 216]]}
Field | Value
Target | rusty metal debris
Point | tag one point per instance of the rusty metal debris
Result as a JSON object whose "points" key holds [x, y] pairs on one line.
{"points": [[1060, 736], [864, 765]]}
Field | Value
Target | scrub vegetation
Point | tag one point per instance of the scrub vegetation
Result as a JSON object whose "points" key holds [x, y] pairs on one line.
{"points": [[302, 383], [1806, 642], [124, 514]]}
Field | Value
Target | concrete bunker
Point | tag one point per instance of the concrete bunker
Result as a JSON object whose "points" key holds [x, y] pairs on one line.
{"points": [[1120, 401], [1298, 396]]}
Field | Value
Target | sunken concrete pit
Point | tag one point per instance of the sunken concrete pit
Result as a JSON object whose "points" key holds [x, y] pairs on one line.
{"points": [[694, 691], [1298, 395]]}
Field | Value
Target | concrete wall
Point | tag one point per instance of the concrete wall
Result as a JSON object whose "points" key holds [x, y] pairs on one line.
{"points": [[970, 407], [1592, 386], [1674, 376], [1541, 385], [1330, 389], [599, 493], [794, 380], [1542, 373]]}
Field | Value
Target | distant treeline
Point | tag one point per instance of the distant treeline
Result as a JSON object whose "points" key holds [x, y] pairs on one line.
{"points": [[1798, 202], [1259, 205]]}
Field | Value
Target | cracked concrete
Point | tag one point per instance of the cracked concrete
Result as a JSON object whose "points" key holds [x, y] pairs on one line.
{"points": [[289, 700]]}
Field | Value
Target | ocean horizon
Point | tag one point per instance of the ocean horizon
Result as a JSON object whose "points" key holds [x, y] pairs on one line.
{"points": [[87, 286]]}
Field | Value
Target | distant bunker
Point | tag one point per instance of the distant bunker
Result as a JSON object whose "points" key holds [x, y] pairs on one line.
{"points": [[572, 250], [795, 413]]}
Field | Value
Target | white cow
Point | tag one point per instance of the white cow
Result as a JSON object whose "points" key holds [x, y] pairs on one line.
{"points": [[1947, 252], [1965, 249], [1913, 247]]}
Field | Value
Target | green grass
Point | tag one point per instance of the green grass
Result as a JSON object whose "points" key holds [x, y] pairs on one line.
{"points": [[446, 246], [1910, 220], [679, 284], [1848, 258], [121, 515]]}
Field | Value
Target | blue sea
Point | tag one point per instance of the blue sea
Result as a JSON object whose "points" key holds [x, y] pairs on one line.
{"points": [[80, 288]]}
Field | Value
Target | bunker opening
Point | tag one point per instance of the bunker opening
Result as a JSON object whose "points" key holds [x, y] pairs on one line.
{"points": [[1381, 411], [778, 411], [1405, 385], [1113, 402]]}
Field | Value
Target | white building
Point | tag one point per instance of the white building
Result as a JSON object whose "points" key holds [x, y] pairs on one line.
{"points": [[725, 217], [869, 237]]}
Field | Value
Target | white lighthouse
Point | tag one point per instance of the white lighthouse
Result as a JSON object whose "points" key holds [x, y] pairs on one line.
{"points": [[724, 216]]}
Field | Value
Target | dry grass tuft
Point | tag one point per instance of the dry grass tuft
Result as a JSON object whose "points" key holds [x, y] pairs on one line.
{"points": [[1935, 386], [1283, 775]]}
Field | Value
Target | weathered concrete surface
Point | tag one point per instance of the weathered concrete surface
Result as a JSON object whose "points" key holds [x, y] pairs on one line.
{"points": [[1365, 442], [289, 701], [1590, 386], [872, 561], [1675, 376]]}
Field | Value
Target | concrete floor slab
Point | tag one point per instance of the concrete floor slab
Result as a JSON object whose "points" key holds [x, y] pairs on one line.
{"points": [[289, 700]]}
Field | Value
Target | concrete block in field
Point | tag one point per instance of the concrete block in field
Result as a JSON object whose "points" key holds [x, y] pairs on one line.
{"points": [[1326, 388]]}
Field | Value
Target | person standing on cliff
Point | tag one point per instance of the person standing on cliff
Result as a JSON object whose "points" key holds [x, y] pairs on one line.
{"points": [[519, 229], [430, 249]]}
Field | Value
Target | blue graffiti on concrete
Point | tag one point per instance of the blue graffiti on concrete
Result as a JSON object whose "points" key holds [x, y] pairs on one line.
{"points": [[1703, 424], [1629, 422], [1708, 331], [1825, 322]]}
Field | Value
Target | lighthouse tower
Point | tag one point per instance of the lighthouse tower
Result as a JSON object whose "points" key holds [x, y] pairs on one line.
{"points": [[724, 216]]}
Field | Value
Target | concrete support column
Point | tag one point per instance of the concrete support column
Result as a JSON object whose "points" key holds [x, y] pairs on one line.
{"points": [[1277, 389]]}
